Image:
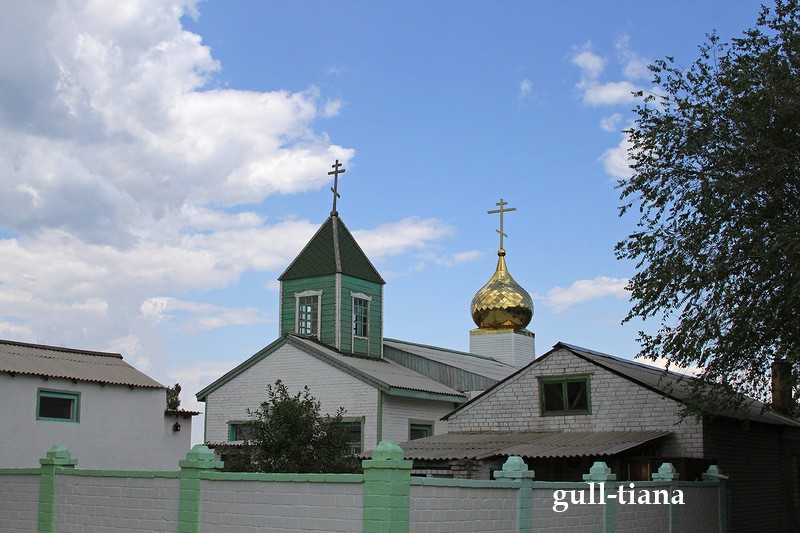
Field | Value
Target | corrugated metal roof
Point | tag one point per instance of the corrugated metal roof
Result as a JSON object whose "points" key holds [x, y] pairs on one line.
{"points": [[672, 384], [476, 364], [385, 372], [529, 444], [67, 363]]}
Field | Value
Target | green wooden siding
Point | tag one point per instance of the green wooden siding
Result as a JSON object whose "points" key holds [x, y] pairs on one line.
{"points": [[373, 290], [327, 284]]}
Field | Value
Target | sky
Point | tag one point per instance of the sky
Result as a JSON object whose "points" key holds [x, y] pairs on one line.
{"points": [[162, 162]]}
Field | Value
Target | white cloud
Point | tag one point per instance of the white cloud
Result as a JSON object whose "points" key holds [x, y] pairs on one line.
{"points": [[592, 66], [611, 122], [590, 63], [616, 161], [201, 316], [525, 90], [398, 237], [692, 370], [559, 299]]}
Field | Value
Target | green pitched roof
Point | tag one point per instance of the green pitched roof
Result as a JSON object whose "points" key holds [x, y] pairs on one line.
{"points": [[332, 250]]}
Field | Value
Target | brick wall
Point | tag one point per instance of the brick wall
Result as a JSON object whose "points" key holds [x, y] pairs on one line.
{"points": [[452, 507], [116, 503], [617, 404], [583, 518], [296, 369], [246, 506], [19, 495], [755, 465]]}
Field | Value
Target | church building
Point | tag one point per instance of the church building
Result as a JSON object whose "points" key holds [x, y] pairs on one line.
{"points": [[331, 340]]}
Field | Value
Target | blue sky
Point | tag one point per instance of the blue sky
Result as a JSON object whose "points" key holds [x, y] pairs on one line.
{"points": [[164, 161]]}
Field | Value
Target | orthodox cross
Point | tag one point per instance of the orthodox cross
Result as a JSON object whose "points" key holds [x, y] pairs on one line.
{"points": [[502, 210], [335, 189]]}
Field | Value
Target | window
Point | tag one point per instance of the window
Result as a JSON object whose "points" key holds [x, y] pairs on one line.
{"points": [[355, 428], [360, 317], [419, 430], [57, 406], [240, 431], [564, 395], [308, 312]]}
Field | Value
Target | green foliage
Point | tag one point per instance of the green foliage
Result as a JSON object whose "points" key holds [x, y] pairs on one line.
{"points": [[173, 397], [292, 436], [715, 155]]}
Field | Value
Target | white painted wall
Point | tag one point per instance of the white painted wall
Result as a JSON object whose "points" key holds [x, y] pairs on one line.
{"points": [[119, 428], [296, 369], [398, 411], [507, 346]]}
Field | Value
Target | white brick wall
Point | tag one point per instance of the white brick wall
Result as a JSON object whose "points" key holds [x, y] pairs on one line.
{"points": [[116, 504], [398, 411], [244, 507], [441, 509], [332, 387], [19, 496], [617, 404]]}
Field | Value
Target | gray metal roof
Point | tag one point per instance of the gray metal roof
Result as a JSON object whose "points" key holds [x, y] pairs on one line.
{"points": [[672, 384], [383, 371], [483, 366], [529, 444], [67, 363]]}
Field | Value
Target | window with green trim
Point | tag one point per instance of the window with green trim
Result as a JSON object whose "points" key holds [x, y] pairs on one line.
{"points": [[355, 430], [419, 430], [564, 395], [57, 406], [360, 317], [241, 431]]}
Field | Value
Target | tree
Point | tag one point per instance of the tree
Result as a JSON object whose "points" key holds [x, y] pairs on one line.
{"points": [[290, 435], [173, 397], [715, 154]]}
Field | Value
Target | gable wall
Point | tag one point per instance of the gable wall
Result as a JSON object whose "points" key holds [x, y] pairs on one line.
{"points": [[118, 427], [399, 411], [332, 387], [617, 404]]}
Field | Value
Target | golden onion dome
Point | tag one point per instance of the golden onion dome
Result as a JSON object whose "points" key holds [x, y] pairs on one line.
{"points": [[502, 302]]}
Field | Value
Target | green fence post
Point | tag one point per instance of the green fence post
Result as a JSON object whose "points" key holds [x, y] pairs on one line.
{"points": [[515, 469], [601, 473], [714, 474], [387, 487], [58, 457], [199, 459], [667, 472]]}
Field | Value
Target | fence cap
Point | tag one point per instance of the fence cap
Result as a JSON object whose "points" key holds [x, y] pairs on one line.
{"points": [[666, 472], [58, 456], [514, 468], [600, 472], [388, 450]]}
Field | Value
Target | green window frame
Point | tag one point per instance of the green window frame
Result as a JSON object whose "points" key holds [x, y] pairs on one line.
{"points": [[241, 431], [307, 313], [360, 317], [355, 428], [58, 406], [419, 429], [565, 395]]}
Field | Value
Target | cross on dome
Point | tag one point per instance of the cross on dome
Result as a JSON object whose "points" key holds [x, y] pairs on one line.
{"points": [[502, 210], [335, 189]]}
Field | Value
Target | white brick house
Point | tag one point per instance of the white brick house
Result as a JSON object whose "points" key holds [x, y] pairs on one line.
{"points": [[107, 413], [573, 406]]}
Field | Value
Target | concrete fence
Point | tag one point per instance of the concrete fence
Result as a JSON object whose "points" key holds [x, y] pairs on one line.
{"points": [[58, 497]]}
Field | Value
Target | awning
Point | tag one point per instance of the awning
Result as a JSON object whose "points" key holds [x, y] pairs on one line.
{"points": [[528, 444]]}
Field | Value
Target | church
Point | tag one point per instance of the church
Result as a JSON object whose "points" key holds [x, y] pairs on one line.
{"points": [[331, 340]]}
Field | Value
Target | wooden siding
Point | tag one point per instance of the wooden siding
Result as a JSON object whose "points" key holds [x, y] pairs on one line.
{"points": [[326, 284], [373, 290]]}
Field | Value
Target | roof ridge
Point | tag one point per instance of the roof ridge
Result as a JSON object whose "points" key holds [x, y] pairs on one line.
{"points": [[459, 352], [61, 349]]}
